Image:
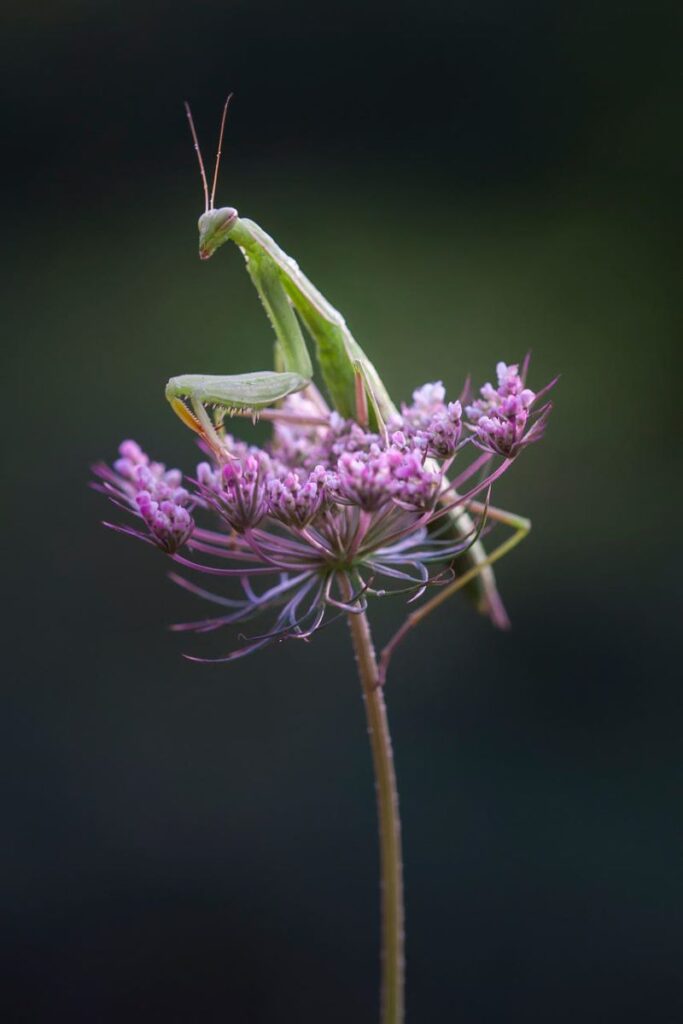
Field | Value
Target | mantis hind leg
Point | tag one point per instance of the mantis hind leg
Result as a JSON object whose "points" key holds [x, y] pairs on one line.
{"points": [[521, 527], [363, 390]]}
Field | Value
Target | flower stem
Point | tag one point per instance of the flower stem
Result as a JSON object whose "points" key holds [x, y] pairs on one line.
{"points": [[391, 868]]}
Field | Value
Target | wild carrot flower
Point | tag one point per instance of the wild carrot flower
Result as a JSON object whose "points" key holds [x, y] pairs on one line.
{"points": [[151, 492], [329, 514], [501, 420]]}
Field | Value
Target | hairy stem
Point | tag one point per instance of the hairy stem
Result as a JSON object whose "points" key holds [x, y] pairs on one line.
{"points": [[391, 868]]}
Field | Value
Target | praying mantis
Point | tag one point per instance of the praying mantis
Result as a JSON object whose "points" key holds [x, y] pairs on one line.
{"points": [[294, 305]]}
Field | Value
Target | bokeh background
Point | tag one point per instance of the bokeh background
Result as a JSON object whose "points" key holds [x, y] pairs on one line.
{"points": [[465, 181]]}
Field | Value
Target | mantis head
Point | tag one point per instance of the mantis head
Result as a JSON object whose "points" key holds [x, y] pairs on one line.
{"points": [[215, 227]]}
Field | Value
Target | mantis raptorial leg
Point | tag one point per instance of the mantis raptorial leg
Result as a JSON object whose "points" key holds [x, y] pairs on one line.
{"points": [[354, 386]]}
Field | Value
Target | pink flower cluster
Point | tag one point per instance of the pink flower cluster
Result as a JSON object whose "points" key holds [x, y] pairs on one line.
{"points": [[329, 508], [500, 418], [154, 492]]}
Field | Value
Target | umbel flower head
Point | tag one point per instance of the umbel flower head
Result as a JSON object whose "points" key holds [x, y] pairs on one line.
{"points": [[329, 514], [502, 420]]}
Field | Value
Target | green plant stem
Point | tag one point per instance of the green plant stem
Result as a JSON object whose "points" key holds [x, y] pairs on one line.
{"points": [[391, 868]]}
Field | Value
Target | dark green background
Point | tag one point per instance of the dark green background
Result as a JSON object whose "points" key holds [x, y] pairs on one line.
{"points": [[464, 181]]}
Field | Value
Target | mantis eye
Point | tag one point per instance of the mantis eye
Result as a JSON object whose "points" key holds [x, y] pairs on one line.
{"points": [[218, 220]]}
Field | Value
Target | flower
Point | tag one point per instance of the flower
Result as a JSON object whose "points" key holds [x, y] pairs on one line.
{"points": [[396, 472], [151, 492], [500, 419], [297, 499], [237, 490], [435, 425], [330, 513]]}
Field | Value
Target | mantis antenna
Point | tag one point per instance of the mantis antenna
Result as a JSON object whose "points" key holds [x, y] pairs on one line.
{"points": [[199, 156], [218, 152], [208, 200]]}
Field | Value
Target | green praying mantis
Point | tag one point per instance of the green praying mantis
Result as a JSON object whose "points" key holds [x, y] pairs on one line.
{"points": [[294, 305]]}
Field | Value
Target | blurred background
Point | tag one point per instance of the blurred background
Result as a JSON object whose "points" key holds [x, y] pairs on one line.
{"points": [[465, 181]]}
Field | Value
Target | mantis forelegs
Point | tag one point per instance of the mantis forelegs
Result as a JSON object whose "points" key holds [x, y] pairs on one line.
{"points": [[249, 391], [291, 351], [521, 527]]}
